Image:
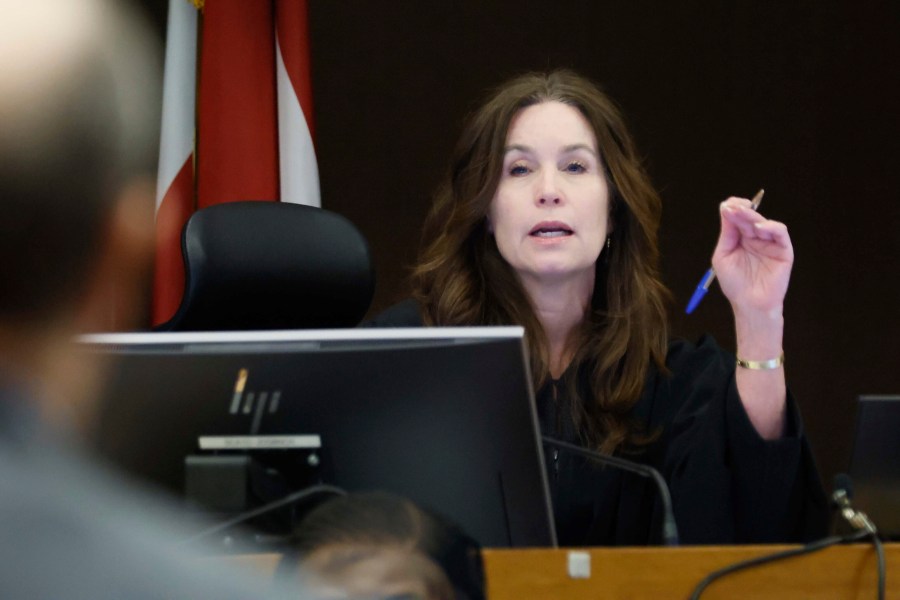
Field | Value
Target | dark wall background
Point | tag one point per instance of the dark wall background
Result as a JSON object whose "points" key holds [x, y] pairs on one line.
{"points": [[801, 98]]}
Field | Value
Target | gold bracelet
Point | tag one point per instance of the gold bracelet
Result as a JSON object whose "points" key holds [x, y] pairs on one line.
{"points": [[761, 365]]}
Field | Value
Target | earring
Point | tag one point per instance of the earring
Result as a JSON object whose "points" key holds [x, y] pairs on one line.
{"points": [[608, 242]]}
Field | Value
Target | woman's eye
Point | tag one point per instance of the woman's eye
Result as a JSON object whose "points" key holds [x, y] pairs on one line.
{"points": [[518, 170], [575, 167]]}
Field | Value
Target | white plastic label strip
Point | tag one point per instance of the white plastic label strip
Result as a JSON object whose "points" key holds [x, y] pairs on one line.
{"points": [[259, 442]]}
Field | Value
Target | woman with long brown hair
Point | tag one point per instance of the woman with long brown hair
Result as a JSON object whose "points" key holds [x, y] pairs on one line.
{"points": [[548, 220]]}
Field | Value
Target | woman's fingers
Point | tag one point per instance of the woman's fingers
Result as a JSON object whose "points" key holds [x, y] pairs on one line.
{"points": [[753, 225]]}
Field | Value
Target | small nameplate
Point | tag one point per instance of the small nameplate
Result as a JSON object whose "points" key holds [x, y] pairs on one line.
{"points": [[259, 442]]}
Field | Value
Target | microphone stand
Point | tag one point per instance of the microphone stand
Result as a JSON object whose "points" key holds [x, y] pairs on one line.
{"points": [[669, 529]]}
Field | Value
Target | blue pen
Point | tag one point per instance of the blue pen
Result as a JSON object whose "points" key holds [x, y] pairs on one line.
{"points": [[710, 275]]}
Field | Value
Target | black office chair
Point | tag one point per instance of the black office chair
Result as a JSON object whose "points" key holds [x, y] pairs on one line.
{"points": [[272, 265]]}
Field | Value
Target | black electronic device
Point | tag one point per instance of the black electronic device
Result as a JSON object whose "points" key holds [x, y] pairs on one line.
{"points": [[875, 462], [443, 416]]}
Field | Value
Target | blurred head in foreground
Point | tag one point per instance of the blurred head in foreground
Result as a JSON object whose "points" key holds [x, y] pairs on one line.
{"points": [[378, 545], [79, 107]]}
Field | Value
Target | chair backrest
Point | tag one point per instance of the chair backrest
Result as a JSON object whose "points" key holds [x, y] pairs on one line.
{"points": [[272, 265]]}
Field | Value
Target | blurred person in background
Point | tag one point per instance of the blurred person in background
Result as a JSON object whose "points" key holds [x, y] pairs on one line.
{"points": [[379, 545]]}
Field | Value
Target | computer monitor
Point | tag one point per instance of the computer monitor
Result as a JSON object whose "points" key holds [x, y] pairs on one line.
{"points": [[443, 416], [875, 462]]}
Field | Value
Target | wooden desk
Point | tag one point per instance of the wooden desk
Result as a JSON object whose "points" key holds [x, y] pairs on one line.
{"points": [[845, 572], [840, 572]]}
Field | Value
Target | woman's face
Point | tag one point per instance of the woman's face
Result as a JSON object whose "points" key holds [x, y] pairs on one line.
{"points": [[550, 212]]}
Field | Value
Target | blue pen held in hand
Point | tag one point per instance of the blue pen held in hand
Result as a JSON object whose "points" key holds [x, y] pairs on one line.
{"points": [[710, 275]]}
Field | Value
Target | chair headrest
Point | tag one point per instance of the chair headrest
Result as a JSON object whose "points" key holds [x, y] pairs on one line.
{"points": [[272, 265]]}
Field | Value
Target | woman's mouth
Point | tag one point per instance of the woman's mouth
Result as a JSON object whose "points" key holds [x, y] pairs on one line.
{"points": [[551, 229]]}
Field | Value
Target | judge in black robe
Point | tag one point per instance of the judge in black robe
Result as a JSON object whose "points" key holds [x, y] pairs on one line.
{"points": [[548, 220]]}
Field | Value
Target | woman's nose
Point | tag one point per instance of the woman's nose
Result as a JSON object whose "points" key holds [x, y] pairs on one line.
{"points": [[548, 193]]}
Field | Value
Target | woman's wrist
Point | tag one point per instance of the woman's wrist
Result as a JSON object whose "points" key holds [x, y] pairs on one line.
{"points": [[759, 335]]}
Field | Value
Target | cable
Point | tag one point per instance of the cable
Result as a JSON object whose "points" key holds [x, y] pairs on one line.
{"points": [[266, 508], [882, 569], [807, 549]]}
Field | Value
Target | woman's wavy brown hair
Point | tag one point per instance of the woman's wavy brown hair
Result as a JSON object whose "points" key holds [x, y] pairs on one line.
{"points": [[461, 278]]}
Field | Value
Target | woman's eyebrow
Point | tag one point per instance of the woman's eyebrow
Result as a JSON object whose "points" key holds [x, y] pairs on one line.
{"points": [[528, 149], [573, 147], [518, 147]]}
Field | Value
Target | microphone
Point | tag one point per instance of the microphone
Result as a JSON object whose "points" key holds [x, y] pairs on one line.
{"points": [[843, 493], [321, 490], [669, 529], [860, 522], [864, 528]]}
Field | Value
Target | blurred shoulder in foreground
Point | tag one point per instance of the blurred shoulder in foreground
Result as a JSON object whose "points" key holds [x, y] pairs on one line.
{"points": [[79, 101]]}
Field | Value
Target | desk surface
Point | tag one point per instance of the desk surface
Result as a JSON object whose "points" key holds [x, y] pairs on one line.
{"points": [[839, 572], [845, 572]]}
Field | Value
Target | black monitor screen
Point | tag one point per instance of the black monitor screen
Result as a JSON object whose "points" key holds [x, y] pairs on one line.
{"points": [[875, 462], [443, 416]]}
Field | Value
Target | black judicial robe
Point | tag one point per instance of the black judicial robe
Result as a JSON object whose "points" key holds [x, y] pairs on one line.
{"points": [[728, 485]]}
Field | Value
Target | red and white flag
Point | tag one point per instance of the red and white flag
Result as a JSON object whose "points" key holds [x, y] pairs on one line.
{"points": [[241, 130]]}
